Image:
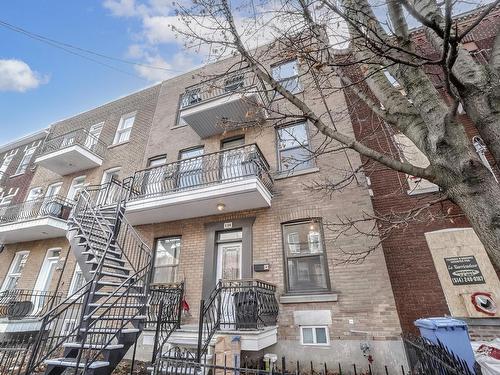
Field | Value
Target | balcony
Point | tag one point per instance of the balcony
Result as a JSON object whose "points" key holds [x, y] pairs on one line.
{"points": [[22, 309], [72, 152], [231, 101], [226, 181], [34, 220]]}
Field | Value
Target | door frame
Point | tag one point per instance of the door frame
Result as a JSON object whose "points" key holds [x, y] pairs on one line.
{"points": [[210, 258]]}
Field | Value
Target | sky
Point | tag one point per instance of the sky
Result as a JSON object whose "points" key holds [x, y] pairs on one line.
{"points": [[40, 84]]}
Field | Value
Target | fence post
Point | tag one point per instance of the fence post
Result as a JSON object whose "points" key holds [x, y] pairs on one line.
{"points": [[200, 331]]}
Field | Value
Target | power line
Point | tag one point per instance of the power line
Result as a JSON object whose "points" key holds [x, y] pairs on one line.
{"points": [[70, 48]]}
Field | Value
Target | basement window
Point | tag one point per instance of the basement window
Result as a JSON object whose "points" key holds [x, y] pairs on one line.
{"points": [[314, 335]]}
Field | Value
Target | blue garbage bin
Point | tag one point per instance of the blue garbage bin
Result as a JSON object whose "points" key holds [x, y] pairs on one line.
{"points": [[452, 333]]}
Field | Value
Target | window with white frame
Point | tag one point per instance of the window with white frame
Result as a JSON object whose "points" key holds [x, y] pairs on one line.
{"points": [[7, 197], [93, 135], [167, 253], [293, 148], [410, 153], [25, 161], [314, 335], [77, 281], [7, 159], [124, 128], [15, 270], [287, 74]]}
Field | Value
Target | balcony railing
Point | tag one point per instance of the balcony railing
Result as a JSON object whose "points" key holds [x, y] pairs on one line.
{"points": [[55, 206], [17, 304], [242, 81], [236, 305], [80, 137], [215, 168]]}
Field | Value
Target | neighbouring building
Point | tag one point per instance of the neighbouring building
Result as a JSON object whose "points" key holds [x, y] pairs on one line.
{"points": [[225, 214], [427, 258]]}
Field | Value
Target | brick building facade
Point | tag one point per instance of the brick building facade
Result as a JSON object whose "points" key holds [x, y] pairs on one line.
{"points": [[414, 259]]}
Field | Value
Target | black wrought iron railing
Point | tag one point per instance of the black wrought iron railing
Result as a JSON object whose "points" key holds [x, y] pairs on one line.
{"points": [[17, 304], [14, 354], [240, 81], [236, 305], [80, 137], [210, 169], [164, 314], [55, 206]]}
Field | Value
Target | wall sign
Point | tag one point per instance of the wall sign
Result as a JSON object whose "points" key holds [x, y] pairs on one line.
{"points": [[464, 270], [228, 225]]}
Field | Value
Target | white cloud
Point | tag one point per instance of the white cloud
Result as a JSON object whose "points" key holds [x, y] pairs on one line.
{"points": [[178, 62], [16, 75], [122, 8]]}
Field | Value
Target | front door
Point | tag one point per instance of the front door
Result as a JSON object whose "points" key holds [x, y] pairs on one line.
{"points": [[232, 158], [44, 279], [228, 268]]}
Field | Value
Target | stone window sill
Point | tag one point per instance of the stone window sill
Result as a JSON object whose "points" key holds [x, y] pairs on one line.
{"points": [[282, 175], [118, 144], [307, 298]]}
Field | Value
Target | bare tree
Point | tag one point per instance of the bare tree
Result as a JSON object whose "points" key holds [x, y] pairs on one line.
{"points": [[380, 47]]}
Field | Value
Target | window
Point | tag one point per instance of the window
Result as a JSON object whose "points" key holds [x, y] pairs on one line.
{"points": [[293, 148], [191, 167], [410, 153], [124, 128], [288, 75], [15, 270], [166, 260], [191, 97], [77, 184], [68, 326], [233, 142], [77, 281], [314, 335], [34, 194], [392, 80], [93, 135], [7, 159], [156, 161], [234, 83], [53, 189], [6, 199], [306, 267], [110, 174], [28, 154]]}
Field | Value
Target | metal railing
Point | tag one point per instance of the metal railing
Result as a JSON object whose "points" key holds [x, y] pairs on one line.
{"points": [[55, 206], [210, 169], [164, 314], [241, 81], [17, 304], [14, 354], [236, 305], [80, 137]]}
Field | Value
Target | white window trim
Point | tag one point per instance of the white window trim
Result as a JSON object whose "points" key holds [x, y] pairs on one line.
{"points": [[120, 130], [11, 194], [11, 268], [32, 151], [55, 184], [314, 336], [72, 285]]}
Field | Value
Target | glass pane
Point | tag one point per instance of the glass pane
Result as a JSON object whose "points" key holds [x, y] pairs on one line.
{"points": [[321, 336], [157, 161], [303, 238], [230, 143], [124, 136], [231, 263], [295, 159], [292, 136], [306, 274], [167, 251], [20, 263], [165, 275], [230, 235], [128, 122], [190, 171], [307, 336], [286, 70]]}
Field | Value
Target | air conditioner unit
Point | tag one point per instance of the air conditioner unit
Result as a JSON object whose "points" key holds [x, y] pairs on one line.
{"points": [[481, 304]]}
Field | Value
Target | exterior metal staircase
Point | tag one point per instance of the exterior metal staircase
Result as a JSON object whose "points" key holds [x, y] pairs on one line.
{"points": [[91, 331]]}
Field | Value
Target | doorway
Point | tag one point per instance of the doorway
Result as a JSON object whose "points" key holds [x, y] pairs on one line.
{"points": [[44, 279]]}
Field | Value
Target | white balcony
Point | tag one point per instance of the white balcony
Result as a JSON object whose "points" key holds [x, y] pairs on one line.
{"points": [[228, 102], [34, 220], [71, 152], [226, 181]]}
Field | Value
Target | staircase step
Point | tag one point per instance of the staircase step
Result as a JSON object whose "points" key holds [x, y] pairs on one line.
{"points": [[107, 294], [98, 251], [112, 274], [110, 330], [69, 362], [117, 305], [78, 345], [110, 317], [107, 265], [96, 258], [115, 284]]}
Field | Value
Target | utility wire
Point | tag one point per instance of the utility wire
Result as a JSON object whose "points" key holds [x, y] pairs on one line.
{"points": [[73, 50]]}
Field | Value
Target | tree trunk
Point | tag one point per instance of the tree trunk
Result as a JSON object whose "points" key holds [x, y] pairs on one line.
{"points": [[478, 195]]}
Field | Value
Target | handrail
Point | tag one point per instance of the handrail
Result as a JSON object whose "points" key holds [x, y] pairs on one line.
{"points": [[204, 170], [238, 81], [236, 305], [53, 206], [81, 137]]}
